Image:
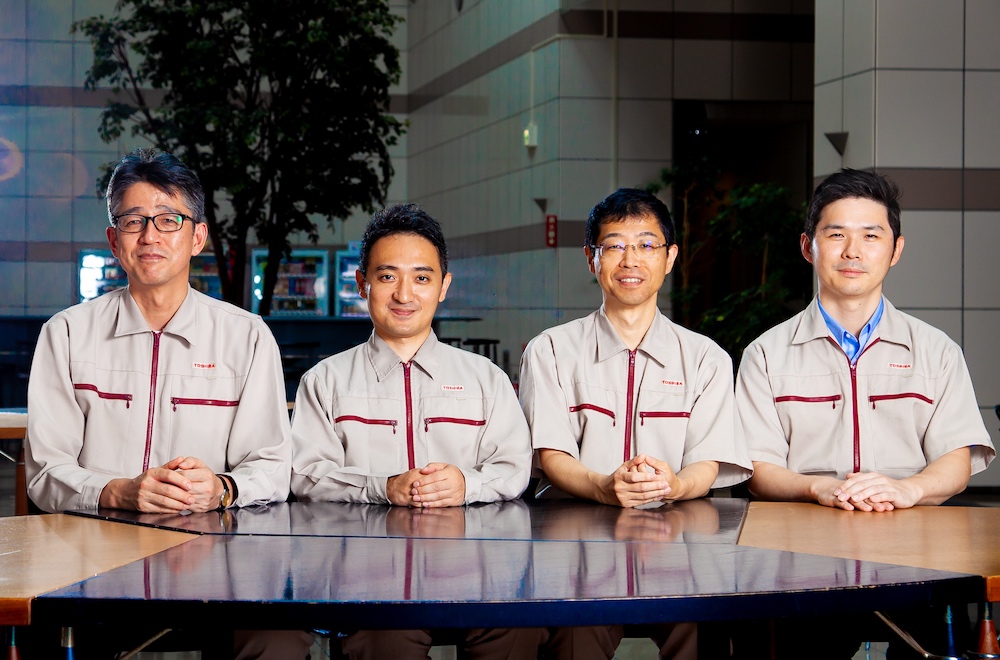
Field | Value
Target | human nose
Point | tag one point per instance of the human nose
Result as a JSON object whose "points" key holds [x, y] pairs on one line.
{"points": [[630, 256], [403, 292], [852, 249], [149, 233]]}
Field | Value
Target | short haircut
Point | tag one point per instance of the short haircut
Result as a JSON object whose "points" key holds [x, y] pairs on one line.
{"points": [[626, 203], [158, 169], [854, 184], [402, 219]]}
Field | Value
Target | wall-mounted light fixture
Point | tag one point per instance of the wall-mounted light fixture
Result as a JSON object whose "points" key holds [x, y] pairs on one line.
{"points": [[531, 136]]}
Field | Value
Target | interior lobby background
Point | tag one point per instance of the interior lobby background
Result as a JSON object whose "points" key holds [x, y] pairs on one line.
{"points": [[911, 87]]}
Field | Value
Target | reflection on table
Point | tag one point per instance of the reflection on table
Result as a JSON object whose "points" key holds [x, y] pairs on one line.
{"points": [[511, 564], [708, 520]]}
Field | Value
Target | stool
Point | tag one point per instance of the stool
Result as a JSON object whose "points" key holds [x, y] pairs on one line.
{"points": [[486, 347], [454, 341]]}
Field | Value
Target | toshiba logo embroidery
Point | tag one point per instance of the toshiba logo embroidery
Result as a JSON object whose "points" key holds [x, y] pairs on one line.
{"points": [[900, 365], [678, 383], [453, 388], [203, 365]]}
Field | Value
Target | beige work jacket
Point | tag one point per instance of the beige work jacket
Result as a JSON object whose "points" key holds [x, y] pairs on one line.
{"points": [[363, 416], [586, 394], [906, 401], [109, 398]]}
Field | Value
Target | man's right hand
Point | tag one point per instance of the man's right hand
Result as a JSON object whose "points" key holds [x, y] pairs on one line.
{"points": [[157, 490], [637, 482], [400, 490]]}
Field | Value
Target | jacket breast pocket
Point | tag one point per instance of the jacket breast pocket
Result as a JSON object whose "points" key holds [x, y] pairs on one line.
{"points": [[114, 404], [820, 416], [899, 414], [200, 414], [662, 423], [372, 433], [452, 428]]}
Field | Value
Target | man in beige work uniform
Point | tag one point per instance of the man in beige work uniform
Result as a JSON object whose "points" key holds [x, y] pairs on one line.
{"points": [[406, 420], [155, 397], [852, 403], [625, 407]]}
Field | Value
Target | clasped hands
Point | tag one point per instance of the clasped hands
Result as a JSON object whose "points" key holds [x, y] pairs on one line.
{"points": [[869, 491], [435, 485], [182, 484], [642, 480]]}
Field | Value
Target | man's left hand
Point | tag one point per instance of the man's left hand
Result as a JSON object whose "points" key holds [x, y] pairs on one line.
{"points": [[878, 491], [440, 484], [206, 488]]}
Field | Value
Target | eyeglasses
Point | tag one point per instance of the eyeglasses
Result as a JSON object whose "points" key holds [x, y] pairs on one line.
{"points": [[645, 250], [135, 223]]}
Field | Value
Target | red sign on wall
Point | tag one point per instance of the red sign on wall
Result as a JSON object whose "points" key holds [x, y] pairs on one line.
{"points": [[551, 231]]}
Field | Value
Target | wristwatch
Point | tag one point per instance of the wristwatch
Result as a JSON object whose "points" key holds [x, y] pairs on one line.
{"points": [[226, 499]]}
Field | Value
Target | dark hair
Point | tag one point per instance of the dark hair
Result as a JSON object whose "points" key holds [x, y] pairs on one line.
{"points": [[854, 184], [162, 170], [402, 219], [627, 203]]}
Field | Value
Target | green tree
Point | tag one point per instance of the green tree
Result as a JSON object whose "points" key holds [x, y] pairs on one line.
{"points": [[694, 184], [758, 226], [749, 231], [281, 109]]}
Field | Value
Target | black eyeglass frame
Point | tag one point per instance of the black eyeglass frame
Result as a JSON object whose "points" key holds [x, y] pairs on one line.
{"points": [[146, 220]]}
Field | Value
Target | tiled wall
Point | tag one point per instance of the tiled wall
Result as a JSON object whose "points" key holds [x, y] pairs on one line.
{"points": [[50, 155], [604, 116], [916, 85]]}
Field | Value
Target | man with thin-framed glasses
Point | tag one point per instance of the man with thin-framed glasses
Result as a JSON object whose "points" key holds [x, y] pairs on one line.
{"points": [[625, 407]]}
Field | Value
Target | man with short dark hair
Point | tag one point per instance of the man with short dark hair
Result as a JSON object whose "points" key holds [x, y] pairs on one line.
{"points": [[625, 407], [852, 403], [156, 379], [404, 419], [155, 397]]}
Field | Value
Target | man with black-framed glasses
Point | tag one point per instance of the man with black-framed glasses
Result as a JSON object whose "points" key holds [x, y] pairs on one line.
{"points": [[156, 379], [155, 397], [625, 407]]}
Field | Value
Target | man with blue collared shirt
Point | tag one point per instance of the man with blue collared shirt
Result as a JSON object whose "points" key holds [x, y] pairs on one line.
{"points": [[852, 403]]}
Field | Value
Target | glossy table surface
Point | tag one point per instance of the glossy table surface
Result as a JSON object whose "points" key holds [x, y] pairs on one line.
{"points": [[552, 563]]}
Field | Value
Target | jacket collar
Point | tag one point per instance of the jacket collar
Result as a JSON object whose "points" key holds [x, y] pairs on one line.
{"points": [[658, 343], [183, 324], [892, 328], [384, 360]]}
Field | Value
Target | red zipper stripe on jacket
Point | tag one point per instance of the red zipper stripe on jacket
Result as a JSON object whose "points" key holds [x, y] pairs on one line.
{"points": [[127, 398], [660, 413], [902, 395], [628, 411], [833, 398], [152, 400], [854, 397], [179, 400], [365, 420], [409, 416], [452, 420], [590, 406]]}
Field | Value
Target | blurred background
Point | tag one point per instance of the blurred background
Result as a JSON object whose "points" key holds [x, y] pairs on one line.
{"points": [[507, 120]]}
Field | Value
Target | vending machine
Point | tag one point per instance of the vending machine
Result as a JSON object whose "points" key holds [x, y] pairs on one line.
{"points": [[302, 287], [348, 302]]}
